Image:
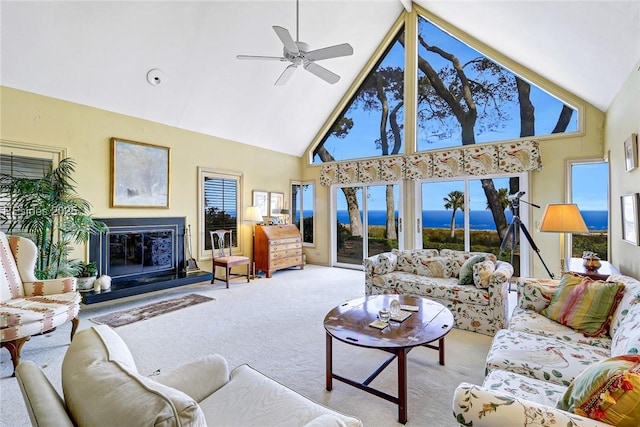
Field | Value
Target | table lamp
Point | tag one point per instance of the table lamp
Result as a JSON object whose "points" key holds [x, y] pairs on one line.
{"points": [[562, 218], [285, 215]]}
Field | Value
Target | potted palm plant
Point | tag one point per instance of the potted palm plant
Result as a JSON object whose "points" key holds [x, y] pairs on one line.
{"points": [[50, 212]]}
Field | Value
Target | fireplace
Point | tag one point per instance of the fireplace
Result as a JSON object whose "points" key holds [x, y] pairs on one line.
{"points": [[141, 255]]}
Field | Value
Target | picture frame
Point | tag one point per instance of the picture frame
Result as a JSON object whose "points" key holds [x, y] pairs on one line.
{"points": [[276, 203], [629, 210], [631, 152], [261, 201], [140, 174]]}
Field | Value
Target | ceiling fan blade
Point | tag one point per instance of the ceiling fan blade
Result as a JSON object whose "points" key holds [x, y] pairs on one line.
{"points": [[260, 57], [286, 39], [336, 51], [323, 73], [286, 74]]}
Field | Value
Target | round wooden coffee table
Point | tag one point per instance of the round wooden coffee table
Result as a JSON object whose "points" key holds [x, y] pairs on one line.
{"points": [[350, 323]]}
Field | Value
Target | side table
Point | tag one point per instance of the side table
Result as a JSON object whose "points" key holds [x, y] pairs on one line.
{"points": [[575, 265]]}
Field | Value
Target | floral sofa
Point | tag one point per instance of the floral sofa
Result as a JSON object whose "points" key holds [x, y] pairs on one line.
{"points": [[473, 285], [537, 365]]}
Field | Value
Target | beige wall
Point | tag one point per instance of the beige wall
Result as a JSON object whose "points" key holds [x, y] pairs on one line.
{"points": [[623, 119], [85, 132]]}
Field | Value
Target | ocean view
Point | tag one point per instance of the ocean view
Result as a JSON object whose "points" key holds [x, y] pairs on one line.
{"points": [[597, 221]]}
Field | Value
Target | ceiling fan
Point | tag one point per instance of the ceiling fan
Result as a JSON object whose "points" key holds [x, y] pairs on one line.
{"points": [[298, 53]]}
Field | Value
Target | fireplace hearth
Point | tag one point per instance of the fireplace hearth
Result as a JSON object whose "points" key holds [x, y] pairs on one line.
{"points": [[141, 255]]}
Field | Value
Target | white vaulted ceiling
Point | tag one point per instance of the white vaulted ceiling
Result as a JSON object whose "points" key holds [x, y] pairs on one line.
{"points": [[98, 53]]}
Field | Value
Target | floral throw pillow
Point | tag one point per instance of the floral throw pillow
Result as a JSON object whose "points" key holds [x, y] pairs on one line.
{"points": [[482, 272], [607, 391], [584, 305], [465, 276]]}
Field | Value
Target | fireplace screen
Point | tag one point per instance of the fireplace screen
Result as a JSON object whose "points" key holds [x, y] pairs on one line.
{"points": [[140, 252]]}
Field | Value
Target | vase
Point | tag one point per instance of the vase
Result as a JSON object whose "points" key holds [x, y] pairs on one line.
{"points": [[85, 284], [591, 264]]}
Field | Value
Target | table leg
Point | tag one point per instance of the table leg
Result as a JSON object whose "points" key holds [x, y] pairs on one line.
{"points": [[441, 350], [402, 385], [329, 363]]}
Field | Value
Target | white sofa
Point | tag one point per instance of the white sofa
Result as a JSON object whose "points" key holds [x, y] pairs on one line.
{"points": [[479, 306], [531, 364], [102, 387]]}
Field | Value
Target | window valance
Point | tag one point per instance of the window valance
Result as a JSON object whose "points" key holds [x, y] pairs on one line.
{"points": [[475, 160]]}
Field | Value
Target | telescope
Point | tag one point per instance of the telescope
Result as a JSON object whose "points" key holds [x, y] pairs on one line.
{"points": [[515, 196]]}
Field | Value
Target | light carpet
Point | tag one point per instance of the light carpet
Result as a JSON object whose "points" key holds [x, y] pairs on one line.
{"points": [[275, 325], [146, 312]]}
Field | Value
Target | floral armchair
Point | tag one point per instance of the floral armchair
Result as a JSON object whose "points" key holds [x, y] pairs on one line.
{"points": [[29, 306]]}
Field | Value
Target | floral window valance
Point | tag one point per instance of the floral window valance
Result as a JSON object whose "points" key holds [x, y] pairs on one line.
{"points": [[475, 160]]}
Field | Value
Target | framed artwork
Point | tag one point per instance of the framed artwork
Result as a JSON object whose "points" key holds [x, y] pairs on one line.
{"points": [[631, 152], [261, 201], [139, 175], [276, 203], [629, 209]]}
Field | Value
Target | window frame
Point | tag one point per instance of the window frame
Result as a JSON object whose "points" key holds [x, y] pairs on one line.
{"points": [[569, 199], [207, 173], [301, 212]]}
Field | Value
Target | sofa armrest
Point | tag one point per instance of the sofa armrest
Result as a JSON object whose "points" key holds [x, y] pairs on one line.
{"points": [[379, 264], [49, 287], [535, 294], [44, 404], [476, 406], [198, 379]]}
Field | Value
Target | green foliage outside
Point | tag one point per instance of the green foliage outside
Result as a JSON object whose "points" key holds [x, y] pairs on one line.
{"points": [[217, 219]]}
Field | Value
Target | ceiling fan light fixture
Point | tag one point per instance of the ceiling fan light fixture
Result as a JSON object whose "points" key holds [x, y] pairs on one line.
{"points": [[300, 53]]}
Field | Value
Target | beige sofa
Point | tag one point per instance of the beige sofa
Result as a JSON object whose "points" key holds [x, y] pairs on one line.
{"points": [[531, 364], [102, 387], [478, 305]]}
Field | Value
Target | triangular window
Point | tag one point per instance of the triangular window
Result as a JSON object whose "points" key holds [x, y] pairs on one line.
{"points": [[463, 98]]}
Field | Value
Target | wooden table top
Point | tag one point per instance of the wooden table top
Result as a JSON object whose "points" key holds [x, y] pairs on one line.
{"points": [[349, 322]]}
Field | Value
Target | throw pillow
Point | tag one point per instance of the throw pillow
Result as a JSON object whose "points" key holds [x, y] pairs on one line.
{"points": [[434, 266], [584, 304], [482, 272], [386, 263], [465, 276], [607, 391]]}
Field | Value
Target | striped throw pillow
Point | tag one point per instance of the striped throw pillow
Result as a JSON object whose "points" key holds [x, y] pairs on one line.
{"points": [[583, 304]]}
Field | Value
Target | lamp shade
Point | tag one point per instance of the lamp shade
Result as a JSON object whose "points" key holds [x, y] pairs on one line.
{"points": [[252, 214], [562, 218]]}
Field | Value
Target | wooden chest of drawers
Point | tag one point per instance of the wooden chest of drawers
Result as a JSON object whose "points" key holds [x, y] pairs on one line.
{"points": [[277, 247]]}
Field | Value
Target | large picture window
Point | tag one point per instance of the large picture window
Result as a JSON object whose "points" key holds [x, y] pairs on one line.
{"points": [[219, 207]]}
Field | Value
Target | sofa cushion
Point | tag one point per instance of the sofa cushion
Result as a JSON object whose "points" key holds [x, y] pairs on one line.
{"points": [[627, 337], [465, 276], [525, 387], [443, 289], [544, 358], [584, 304], [482, 272], [270, 403], [100, 382], [535, 323], [608, 391]]}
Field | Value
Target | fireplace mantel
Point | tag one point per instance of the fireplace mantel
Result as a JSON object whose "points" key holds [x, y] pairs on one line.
{"points": [[141, 255]]}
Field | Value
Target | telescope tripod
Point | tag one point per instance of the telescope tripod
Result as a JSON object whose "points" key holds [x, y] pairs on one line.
{"points": [[513, 236]]}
